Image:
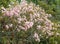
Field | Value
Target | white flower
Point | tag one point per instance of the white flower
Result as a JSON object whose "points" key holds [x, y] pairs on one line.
{"points": [[31, 17], [23, 0], [18, 30], [50, 33], [3, 8], [10, 25], [36, 37], [38, 27], [49, 15], [23, 28], [57, 33], [19, 19], [9, 5], [7, 26]]}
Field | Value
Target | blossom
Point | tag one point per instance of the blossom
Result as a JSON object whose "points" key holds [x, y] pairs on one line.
{"points": [[7, 27], [10, 25], [23, 28], [50, 33], [28, 25], [4, 9], [58, 34], [39, 27], [49, 15], [7, 13], [36, 37], [18, 30]]}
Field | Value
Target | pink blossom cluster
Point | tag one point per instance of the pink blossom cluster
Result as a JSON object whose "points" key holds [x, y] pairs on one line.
{"points": [[29, 15], [11, 11]]}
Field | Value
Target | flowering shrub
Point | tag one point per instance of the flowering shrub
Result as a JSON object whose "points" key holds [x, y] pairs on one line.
{"points": [[26, 24]]}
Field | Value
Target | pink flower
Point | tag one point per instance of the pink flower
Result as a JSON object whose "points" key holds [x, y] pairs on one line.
{"points": [[7, 13], [15, 13], [16, 9], [28, 24], [47, 23], [11, 13]]}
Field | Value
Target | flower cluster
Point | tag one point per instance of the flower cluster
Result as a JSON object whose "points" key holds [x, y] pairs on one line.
{"points": [[26, 17]]}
